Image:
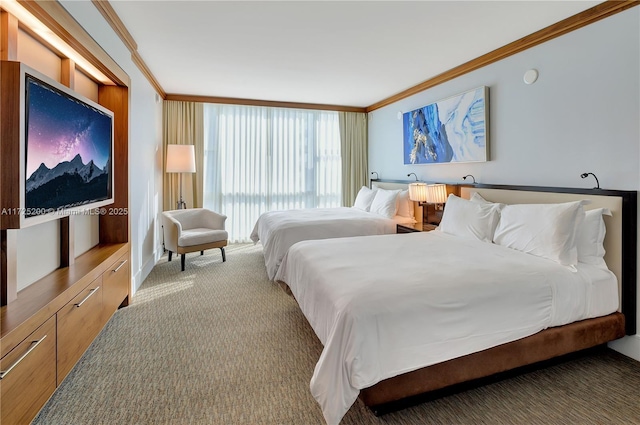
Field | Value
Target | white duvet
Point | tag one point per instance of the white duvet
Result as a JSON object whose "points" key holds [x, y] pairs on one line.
{"points": [[385, 305], [278, 230]]}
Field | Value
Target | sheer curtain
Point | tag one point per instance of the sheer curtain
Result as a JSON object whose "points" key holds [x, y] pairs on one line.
{"points": [[259, 159]]}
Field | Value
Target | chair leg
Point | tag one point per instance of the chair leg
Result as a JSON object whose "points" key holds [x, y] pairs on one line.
{"points": [[224, 257], [182, 260], [201, 252], [170, 255]]}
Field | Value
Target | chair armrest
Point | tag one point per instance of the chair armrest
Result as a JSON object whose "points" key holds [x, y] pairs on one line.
{"points": [[172, 230], [213, 220]]}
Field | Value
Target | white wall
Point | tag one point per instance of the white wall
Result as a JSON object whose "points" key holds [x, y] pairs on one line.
{"points": [[145, 144], [582, 115]]}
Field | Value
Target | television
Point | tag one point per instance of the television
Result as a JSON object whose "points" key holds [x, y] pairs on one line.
{"points": [[66, 144]]}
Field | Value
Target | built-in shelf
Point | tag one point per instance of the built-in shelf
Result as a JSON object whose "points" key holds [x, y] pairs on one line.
{"points": [[42, 299]]}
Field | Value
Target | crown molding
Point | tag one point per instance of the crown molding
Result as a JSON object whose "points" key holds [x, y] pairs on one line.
{"points": [[112, 18], [572, 23], [257, 102]]}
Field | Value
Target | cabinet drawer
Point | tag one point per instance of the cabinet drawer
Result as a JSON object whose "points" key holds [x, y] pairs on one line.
{"points": [[78, 323], [115, 283], [29, 375]]}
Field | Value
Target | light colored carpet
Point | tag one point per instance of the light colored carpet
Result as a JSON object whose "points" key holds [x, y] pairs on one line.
{"points": [[221, 344]]}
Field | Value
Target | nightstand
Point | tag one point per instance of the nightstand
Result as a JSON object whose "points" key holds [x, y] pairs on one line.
{"points": [[417, 227]]}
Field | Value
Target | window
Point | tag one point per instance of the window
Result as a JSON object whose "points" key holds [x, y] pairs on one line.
{"points": [[260, 159]]}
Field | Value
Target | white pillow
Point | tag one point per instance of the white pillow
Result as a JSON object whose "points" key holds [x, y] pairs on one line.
{"points": [[543, 230], [478, 199], [385, 203], [364, 198], [468, 219], [405, 205], [590, 238]]}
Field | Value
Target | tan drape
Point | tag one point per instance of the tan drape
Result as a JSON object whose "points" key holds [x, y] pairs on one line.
{"points": [[355, 154], [182, 124]]}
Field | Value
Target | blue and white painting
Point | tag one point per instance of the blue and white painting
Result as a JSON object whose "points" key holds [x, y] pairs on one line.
{"points": [[449, 130]]}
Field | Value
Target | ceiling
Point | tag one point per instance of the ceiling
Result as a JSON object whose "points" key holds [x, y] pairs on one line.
{"points": [[350, 53]]}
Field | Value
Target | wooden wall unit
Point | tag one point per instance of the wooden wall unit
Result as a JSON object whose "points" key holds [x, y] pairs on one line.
{"points": [[46, 327], [114, 226]]}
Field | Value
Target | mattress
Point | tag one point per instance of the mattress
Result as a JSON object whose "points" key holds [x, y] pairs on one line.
{"points": [[390, 304], [278, 230]]}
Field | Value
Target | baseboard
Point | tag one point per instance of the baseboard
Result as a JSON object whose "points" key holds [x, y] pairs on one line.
{"points": [[629, 346], [145, 270]]}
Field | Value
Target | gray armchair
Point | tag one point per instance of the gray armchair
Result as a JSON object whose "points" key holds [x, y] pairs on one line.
{"points": [[192, 230]]}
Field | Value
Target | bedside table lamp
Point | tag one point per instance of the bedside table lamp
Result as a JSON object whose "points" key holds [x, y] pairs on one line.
{"points": [[181, 159], [437, 194], [418, 192]]}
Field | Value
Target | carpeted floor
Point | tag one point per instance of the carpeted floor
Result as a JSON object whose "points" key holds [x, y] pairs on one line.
{"points": [[221, 344]]}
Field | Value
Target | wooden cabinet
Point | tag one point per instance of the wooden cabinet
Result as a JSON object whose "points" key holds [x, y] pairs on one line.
{"points": [[68, 308], [28, 375], [78, 323], [115, 284]]}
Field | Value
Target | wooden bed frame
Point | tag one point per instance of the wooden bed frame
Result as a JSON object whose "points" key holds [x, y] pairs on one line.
{"points": [[621, 247]]}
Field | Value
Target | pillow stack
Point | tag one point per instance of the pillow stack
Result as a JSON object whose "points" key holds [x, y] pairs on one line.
{"points": [[561, 232], [387, 203], [364, 199]]}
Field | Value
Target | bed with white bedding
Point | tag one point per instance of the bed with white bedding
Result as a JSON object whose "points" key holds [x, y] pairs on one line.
{"points": [[384, 306], [278, 230]]}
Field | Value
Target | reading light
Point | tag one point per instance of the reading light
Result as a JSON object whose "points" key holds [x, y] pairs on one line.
{"points": [[585, 175], [414, 174], [418, 193], [181, 159], [469, 175], [376, 173]]}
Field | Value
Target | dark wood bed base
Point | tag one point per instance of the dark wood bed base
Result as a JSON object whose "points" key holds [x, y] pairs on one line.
{"points": [[545, 345], [550, 343]]}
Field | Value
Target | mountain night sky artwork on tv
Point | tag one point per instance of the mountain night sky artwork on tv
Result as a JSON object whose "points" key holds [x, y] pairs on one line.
{"points": [[68, 150]]}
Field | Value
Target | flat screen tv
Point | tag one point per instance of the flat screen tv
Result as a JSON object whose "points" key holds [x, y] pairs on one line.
{"points": [[68, 151]]}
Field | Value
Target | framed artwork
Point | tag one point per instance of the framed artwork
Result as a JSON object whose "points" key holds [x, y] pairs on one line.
{"points": [[450, 130]]}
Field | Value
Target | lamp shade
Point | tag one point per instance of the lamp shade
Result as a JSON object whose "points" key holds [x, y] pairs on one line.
{"points": [[181, 159], [418, 192], [437, 193]]}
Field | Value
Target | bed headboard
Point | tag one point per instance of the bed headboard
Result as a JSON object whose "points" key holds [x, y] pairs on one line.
{"points": [[621, 237]]}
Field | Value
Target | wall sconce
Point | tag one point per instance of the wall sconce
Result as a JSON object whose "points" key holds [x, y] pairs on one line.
{"points": [[469, 175], [414, 174], [376, 173], [585, 175], [181, 159]]}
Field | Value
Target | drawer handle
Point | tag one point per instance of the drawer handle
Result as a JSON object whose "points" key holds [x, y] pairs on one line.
{"points": [[93, 291], [120, 266], [33, 346]]}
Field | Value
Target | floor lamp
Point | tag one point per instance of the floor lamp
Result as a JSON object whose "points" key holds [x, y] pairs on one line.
{"points": [[181, 159]]}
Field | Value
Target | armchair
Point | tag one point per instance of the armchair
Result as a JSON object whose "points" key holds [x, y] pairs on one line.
{"points": [[191, 230]]}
